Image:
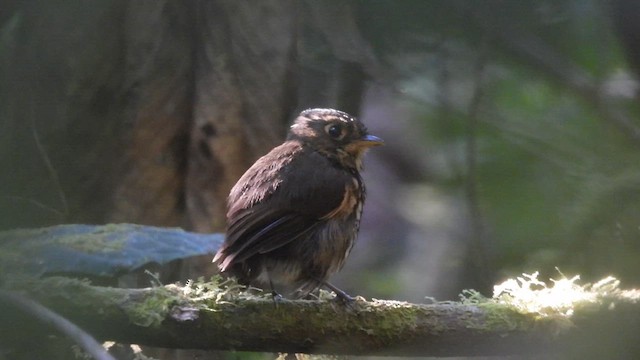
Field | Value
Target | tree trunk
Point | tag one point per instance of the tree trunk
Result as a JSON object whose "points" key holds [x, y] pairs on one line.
{"points": [[143, 111]]}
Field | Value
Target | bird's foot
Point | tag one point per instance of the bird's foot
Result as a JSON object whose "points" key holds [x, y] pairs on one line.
{"points": [[341, 296], [277, 298], [344, 298]]}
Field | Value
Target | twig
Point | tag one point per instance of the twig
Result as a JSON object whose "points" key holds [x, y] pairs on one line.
{"points": [[82, 338], [36, 203], [479, 254], [47, 161], [535, 52]]}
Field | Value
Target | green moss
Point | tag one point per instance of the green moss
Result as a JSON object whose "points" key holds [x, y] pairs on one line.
{"points": [[100, 241], [221, 303], [154, 307], [527, 302], [150, 307], [92, 243], [500, 317]]}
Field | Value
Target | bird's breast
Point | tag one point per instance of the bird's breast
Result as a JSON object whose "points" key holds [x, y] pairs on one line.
{"points": [[351, 201], [338, 234], [335, 241]]}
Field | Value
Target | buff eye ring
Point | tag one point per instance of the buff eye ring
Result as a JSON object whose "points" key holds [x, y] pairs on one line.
{"points": [[334, 130]]}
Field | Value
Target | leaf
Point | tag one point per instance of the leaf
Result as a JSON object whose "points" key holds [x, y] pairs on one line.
{"points": [[106, 251]]}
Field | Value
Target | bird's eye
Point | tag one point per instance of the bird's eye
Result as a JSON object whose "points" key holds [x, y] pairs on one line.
{"points": [[334, 130]]}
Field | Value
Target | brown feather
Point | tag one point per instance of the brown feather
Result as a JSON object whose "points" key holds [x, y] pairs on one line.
{"points": [[294, 215]]}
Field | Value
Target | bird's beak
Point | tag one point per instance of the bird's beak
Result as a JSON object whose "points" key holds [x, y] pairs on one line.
{"points": [[370, 140]]}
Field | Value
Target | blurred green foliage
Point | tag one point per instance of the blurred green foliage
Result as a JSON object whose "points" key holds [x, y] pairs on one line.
{"points": [[557, 179]]}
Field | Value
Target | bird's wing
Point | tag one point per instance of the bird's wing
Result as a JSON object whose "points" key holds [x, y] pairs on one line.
{"points": [[279, 205]]}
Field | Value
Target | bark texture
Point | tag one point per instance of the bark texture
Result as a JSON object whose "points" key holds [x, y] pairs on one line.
{"points": [[144, 111], [203, 316]]}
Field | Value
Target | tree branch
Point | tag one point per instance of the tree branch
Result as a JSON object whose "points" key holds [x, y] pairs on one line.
{"points": [[526, 317], [205, 316], [84, 340]]}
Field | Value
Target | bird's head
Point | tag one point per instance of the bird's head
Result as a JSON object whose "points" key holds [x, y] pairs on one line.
{"points": [[334, 133]]}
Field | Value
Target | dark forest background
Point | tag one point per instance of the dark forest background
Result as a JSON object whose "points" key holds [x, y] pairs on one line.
{"points": [[512, 131]]}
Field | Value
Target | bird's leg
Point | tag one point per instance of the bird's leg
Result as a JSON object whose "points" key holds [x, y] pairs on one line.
{"points": [[274, 294], [340, 295]]}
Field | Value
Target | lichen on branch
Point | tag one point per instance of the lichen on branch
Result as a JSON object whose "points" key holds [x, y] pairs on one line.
{"points": [[221, 315]]}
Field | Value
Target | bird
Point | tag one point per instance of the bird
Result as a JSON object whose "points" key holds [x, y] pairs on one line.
{"points": [[293, 217]]}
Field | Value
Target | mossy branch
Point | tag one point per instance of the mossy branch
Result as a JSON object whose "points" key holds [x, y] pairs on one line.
{"points": [[206, 316]]}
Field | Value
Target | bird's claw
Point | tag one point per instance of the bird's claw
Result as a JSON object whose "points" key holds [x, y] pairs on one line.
{"points": [[277, 298]]}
